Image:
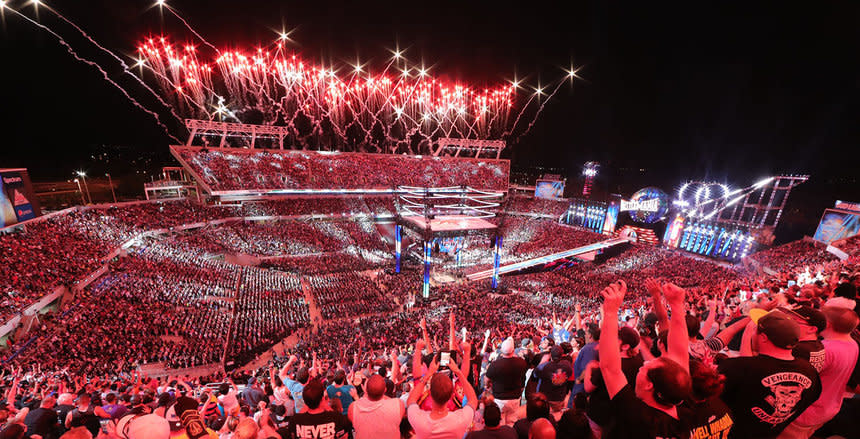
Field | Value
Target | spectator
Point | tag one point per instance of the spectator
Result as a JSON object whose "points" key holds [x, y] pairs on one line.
{"points": [[318, 421], [839, 361], [376, 416], [440, 422], [492, 426], [507, 376], [769, 390]]}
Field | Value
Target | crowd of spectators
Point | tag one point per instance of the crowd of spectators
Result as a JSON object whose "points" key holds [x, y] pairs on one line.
{"points": [[269, 306], [171, 301], [531, 205], [350, 294], [233, 169], [793, 256]]}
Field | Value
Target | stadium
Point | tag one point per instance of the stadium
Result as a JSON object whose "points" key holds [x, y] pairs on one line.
{"points": [[366, 260]]}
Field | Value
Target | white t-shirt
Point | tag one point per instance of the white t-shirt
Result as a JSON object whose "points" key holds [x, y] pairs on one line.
{"points": [[229, 401], [280, 395], [453, 426]]}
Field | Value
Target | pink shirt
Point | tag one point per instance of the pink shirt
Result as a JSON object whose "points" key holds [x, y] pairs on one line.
{"points": [[839, 359], [453, 426]]}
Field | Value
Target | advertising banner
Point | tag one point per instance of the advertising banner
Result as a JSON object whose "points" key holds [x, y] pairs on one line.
{"points": [[15, 197]]}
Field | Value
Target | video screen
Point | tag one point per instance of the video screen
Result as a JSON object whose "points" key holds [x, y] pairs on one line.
{"points": [[549, 189], [836, 225]]}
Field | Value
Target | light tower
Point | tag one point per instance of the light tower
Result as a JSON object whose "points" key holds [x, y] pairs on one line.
{"points": [[589, 171]]}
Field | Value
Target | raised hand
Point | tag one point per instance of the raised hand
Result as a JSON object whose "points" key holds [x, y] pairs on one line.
{"points": [[613, 295], [434, 366], [653, 286], [674, 294]]}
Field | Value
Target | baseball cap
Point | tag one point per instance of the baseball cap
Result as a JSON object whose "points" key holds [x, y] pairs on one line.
{"points": [[556, 352], [779, 328], [808, 315], [186, 408]]}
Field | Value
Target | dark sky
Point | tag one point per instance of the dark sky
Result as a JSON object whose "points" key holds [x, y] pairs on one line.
{"points": [[729, 91]]}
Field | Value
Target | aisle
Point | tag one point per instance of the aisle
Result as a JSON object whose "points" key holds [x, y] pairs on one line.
{"points": [[313, 309]]}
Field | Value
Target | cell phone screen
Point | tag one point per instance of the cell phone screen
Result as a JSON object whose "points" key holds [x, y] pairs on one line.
{"points": [[444, 359]]}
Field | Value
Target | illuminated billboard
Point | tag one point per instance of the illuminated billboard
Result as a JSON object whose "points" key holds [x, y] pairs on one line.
{"points": [[647, 205], [549, 189], [16, 197], [836, 225]]}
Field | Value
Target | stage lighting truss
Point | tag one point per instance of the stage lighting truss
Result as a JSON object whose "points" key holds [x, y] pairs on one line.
{"points": [[700, 199], [753, 206], [452, 200]]}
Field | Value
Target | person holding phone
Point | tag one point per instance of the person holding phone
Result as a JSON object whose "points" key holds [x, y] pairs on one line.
{"points": [[440, 422]]}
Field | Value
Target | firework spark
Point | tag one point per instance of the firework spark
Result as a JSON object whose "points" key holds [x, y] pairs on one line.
{"points": [[397, 109]]}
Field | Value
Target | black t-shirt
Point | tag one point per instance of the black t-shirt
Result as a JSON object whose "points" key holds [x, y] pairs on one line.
{"points": [[709, 419], [87, 419], [43, 422], [767, 393], [325, 425], [635, 419], [811, 351], [598, 409], [508, 376], [503, 432], [554, 379]]}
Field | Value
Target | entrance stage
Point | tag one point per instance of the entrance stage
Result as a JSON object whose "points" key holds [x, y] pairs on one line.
{"points": [[579, 251]]}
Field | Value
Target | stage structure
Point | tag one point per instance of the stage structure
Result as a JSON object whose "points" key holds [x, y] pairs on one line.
{"points": [[713, 219], [469, 148], [445, 218], [597, 216]]}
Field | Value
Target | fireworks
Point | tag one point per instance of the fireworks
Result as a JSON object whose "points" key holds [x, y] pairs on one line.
{"points": [[400, 106]]}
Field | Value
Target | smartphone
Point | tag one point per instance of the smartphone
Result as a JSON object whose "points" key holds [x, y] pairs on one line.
{"points": [[444, 359]]}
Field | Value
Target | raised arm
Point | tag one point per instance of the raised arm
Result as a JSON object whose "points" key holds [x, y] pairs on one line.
{"points": [[395, 367], [471, 398], [486, 339], [746, 341], [712, 317], [726, 335], [425, 334], [655, 290], [610, 356], [416, 359], [420, 384], [452, 332], [677, 342]]}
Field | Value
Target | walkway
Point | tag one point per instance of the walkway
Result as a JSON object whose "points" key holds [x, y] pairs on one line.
{"points": [[602, 245], [313, 308]]}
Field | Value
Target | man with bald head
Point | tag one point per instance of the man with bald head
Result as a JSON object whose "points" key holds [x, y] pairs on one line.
{"points": [[542, 429], [376, 416]]}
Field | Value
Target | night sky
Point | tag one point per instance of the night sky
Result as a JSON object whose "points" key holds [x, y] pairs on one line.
{"points": [[695, 90]]}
